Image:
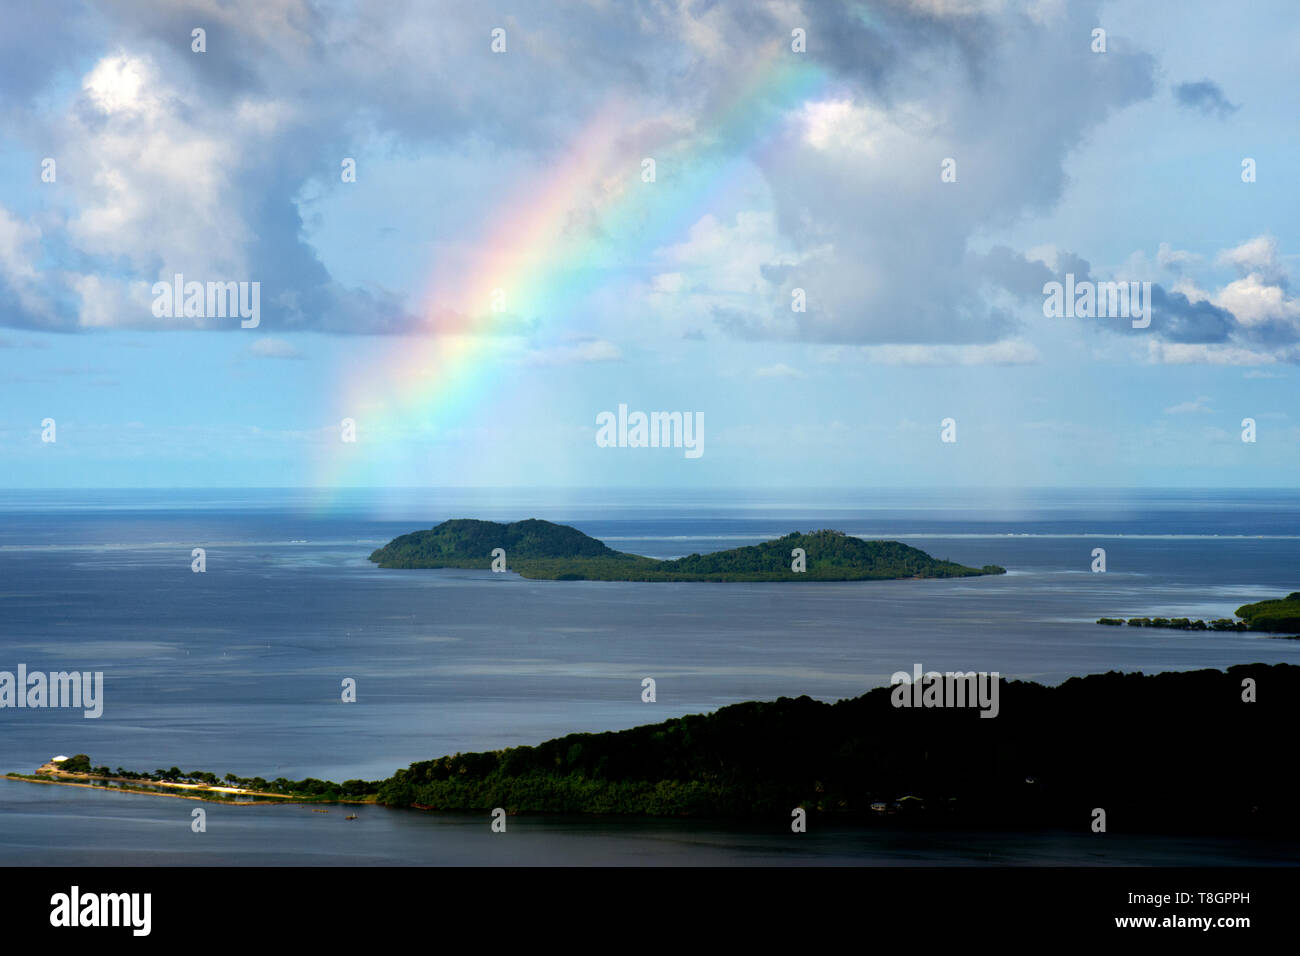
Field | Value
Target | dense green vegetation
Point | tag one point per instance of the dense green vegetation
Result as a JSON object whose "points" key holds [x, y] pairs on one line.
{"points": [[310, 788], [1050, 756], [468, 543], [1276, 616], [541, 549], [1281, 614], [1177, 623]]}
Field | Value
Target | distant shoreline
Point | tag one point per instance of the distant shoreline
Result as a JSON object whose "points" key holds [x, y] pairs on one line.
{"points": [[188, 791], [1272, 618]]}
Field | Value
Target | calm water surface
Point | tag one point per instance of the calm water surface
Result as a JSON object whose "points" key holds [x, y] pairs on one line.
{"points": [[239, 668]]}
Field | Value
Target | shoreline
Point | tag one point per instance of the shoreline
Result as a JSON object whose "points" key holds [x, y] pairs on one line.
{"points": [[745, 759], [189, 791]]}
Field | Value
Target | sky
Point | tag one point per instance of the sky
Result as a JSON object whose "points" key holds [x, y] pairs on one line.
{"points": [[475, 227]]}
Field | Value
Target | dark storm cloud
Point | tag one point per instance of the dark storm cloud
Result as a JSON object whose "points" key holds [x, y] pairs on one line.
{"points": [[1205, 97]]}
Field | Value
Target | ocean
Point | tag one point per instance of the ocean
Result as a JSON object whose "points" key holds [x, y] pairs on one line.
{"points": [[240, 668]]}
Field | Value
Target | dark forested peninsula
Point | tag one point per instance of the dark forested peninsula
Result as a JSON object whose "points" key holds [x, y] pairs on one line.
{"points": [[1150, 751], [542, 549], [1146, 749], [1279, 614]]}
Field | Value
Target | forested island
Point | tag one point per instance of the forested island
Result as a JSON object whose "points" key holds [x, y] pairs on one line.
{"points": [[542, 549], [1276, 616], [1279, 614], [1138, 747]]}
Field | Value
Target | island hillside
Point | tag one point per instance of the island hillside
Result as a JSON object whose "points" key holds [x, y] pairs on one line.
{"points": [[1051, 757], [1279, 614], [542, 549]]}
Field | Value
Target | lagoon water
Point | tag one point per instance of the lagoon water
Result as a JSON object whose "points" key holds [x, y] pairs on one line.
{"points": [[239, 668]]}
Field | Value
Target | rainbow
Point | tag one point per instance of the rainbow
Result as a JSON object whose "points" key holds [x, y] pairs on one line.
{"points": [[557, 239]]}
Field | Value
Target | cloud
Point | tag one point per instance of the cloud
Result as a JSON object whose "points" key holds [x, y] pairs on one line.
{"points": [[1175, 259], [864, 230], [205, 163], [881, 244], [596, 350], [1254, 256], [33, 54], [843, 125], [1177, 318], [779, 370], [1008, 352], [1253, 319], [668, 282], [11, 343], [1254, 301], [1265, 313], [171, 161], [160, 178], [23, 298], [1204, 97], [1166, 353], [1188, 408], [275, 349]]}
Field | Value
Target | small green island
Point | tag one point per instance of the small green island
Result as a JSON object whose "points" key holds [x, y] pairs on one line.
{"points": [[557, 552], [1275, 616]]}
